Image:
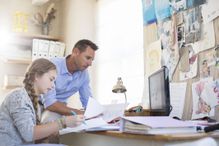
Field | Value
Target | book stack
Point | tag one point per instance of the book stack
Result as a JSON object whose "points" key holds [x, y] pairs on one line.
{"points": [[156, 125]]}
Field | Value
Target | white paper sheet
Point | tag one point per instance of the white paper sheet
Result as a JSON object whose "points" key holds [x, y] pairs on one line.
{"points": [[207, 38], [107, 112], [177, 98], [210, 10], [111, 127], [95, 122], [93, 109], [204, 98], [113, 111], [153, 53]]}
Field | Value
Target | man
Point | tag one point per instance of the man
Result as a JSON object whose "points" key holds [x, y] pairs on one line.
{"points": [[72, 77]]}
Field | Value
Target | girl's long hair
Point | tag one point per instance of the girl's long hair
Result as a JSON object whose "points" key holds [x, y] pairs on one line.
{"points": [[36, 69]]}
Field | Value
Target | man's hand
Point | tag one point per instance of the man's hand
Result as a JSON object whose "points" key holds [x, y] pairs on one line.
{"points": [[62, 109], [78, 112]]}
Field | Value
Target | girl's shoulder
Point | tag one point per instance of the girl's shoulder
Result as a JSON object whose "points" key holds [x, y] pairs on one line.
{"points": [[17, 95]]}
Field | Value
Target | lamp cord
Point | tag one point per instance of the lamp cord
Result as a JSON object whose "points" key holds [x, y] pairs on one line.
{"points": [[125, 99]]}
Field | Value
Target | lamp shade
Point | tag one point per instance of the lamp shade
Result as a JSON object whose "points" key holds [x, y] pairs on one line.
{"points": [[119, 87]]}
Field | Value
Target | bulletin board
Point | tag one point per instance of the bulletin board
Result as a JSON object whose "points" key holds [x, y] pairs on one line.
{"points": [[186, 35]]}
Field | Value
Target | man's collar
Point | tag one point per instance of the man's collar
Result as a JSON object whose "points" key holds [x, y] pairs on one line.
{"points": [[64, 69]]}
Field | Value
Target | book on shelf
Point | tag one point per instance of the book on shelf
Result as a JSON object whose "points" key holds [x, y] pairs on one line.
{"points": [[155, 125]]}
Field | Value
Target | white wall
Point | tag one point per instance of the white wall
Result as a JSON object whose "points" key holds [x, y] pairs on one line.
{"points": [[74, 20], [120, 37], [122, 45], [8, 8], [78, 23]]}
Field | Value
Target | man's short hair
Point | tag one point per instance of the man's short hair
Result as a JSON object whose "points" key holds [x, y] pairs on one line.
{"points": [[83, 44]]}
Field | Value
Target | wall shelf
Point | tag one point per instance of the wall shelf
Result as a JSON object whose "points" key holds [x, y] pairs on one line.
{"points": [[35, 36], [23, 41], [15, 60], [10, 87]]}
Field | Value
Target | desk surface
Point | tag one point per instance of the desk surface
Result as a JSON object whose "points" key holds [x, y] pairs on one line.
{"points": [[167, 137], [145, 112], [110, 138]]}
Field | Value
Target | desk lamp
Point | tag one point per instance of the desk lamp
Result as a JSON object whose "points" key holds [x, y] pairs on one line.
{"points": [[120, 88]]}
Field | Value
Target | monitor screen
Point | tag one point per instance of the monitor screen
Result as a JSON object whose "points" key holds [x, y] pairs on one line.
{"points": [[159, 91]]}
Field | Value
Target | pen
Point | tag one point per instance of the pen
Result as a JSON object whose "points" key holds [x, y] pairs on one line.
{"points": [[207, 128], [75, 114], [211, 128], [199, 129]]}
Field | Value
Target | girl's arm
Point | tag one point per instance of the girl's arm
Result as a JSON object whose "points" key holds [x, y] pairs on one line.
{"points": [[45, 130]]}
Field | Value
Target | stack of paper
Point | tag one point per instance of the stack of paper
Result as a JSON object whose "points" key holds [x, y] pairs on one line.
{"points": [[108, 112], [155, 125], [97, 117]]}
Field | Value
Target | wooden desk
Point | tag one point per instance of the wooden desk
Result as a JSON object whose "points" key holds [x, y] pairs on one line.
{"points": [[116, 138], [145, 112]]}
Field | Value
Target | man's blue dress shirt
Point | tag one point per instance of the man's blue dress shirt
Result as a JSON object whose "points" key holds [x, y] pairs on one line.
{"points": [[67, 84]]}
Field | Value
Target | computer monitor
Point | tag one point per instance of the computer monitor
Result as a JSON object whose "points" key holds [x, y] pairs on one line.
{"points": [[159, 91]]}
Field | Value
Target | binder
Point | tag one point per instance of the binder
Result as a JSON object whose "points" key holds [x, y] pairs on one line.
{"points": [[61, 47], [155, 125], [52, 47], [35, 48], [47, 49], [43, 51], [56, 49]]}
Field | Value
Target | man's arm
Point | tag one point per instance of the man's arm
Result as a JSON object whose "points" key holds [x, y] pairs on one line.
{"points": [[63, 109], [85, 91]]}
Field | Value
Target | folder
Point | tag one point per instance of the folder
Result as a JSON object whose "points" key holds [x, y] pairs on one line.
{"points": [[156, 125], [52, 47], [56, 49], [35, 47], [43, 51], [61, 49]]}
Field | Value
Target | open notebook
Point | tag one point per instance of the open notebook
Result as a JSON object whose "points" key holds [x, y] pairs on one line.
{"points": [[97, 117]]}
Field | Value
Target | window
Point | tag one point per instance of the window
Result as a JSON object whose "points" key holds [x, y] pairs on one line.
{"points": [[120, 40]]}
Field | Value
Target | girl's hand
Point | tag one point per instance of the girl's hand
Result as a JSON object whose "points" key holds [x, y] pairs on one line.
{"points": [[73, 121]]}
